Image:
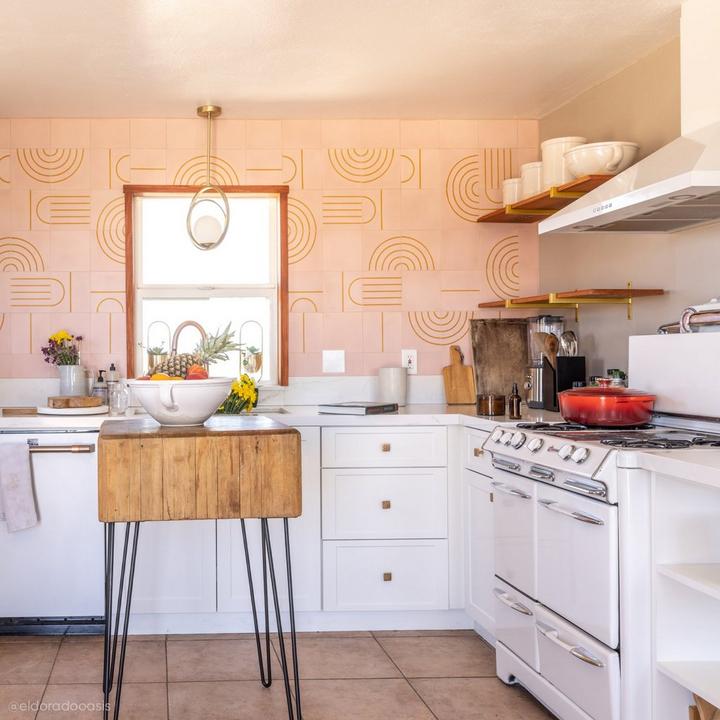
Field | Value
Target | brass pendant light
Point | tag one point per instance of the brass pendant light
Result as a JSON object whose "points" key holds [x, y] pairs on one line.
{"points": [[209, 212]]}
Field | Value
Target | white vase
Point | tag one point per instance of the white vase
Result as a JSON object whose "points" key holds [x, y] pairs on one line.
{"points": [[72, 380]]}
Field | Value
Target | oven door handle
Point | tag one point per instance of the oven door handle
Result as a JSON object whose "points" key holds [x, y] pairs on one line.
{"points": [[577, 651], [504, 598], [508, 490], [569, 512], [42, 449]]}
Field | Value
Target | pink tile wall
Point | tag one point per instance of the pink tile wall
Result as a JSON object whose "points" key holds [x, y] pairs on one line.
{"points": [[384, 250]]}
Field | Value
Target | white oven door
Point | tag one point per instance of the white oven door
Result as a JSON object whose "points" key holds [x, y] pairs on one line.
{"points": [[584, 670], [578, 561], [514, 508]]}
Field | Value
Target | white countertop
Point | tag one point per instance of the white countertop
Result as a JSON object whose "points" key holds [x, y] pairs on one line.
{"points": [[700, 465], [308, 416]]}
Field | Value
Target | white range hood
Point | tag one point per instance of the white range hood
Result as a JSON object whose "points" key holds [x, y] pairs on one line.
{"points": [[675, 188]]}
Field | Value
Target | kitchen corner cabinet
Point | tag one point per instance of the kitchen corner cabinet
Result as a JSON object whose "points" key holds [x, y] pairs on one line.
{"points": [[478, 533], [233, 594]]}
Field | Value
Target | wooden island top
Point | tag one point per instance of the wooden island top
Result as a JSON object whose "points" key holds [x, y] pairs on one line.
{"points": [[230, 467]]}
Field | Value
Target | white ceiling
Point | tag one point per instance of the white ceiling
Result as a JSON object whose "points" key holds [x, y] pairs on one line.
{"points": [[351, 58]]}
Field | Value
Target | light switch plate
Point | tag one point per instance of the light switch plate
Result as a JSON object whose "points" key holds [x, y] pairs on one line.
{"points": [[333, 361]]}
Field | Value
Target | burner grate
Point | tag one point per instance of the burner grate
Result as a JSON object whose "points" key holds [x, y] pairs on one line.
{"points": [[661, 443]]}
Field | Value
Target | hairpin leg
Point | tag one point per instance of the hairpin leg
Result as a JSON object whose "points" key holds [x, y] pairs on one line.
{"points": [[278, 620], [265, 673], [112, 629]]}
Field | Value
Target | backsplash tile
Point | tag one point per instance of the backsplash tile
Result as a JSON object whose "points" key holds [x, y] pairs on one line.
{"points": [[384, 249]]}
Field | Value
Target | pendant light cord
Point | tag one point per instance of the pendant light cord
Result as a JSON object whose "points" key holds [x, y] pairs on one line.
{"points": [[209, 146]]}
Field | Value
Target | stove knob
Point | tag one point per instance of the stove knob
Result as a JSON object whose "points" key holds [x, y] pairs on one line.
{"points": [[566, 451], [506, 438], [518, 440], [497, 434], [535, 445], [580, 455]]}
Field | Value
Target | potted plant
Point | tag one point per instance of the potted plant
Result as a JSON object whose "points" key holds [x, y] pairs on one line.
{"points": [[252, 359], [63, 350]]}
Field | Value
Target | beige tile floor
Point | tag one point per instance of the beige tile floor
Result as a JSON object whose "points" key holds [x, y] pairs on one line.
{"points": [[345, 676]]}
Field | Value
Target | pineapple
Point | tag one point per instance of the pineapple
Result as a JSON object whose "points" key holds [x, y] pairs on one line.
{"points": [[214, 348]]}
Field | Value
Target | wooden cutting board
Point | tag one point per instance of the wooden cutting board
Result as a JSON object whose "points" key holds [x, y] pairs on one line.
{"points": [[67, 401], [459, 380]]}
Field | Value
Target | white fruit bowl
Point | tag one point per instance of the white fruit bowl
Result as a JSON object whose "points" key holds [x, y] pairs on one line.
{"points": [[601, 158], [181, 402]]}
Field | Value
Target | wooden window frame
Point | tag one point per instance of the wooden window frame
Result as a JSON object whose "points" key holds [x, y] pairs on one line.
{"points": [[132, 191]]}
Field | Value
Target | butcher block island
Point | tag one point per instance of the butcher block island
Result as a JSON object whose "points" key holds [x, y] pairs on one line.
{"points": [[230, 468]]}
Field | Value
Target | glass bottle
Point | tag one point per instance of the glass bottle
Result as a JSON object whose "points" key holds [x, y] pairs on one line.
{"points": [[514, 404]]}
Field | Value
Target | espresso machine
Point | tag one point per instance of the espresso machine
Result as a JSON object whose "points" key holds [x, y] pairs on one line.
{"points": [[550, 373]]}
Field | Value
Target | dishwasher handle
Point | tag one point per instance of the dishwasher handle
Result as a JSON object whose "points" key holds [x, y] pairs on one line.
{"points": [[84, 448]]}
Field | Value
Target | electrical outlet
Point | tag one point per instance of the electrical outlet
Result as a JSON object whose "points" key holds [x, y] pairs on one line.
{"points": [[409, 361]]}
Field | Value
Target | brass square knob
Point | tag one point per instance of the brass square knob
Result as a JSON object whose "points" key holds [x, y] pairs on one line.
{"points": [[386, 504], [386, 447], [477, 452], [387, 577]]}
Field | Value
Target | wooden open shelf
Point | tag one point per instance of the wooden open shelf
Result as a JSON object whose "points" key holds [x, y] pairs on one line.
{"points": [[537, 207], [572, 299]]}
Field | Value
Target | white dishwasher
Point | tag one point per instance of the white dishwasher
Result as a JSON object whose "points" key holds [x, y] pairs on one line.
{"points": [[56, 569]]}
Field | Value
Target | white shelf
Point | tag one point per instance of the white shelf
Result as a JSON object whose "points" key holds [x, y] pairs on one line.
{"points": [[703, 577], [701, 678]]}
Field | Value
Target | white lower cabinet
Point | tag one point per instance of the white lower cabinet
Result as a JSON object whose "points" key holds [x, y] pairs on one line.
{"points": [[233, 593], [175, 570], [385, 575], [583, 669], [479, 549]]}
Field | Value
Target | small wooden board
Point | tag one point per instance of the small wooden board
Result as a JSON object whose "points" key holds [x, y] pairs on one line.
{"points": [[459, 380], [231, 467], [19, 411], [69, 401]]}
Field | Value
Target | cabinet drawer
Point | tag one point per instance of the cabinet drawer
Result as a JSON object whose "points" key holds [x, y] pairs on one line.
{"points": [[475, 457], [384, 447], [397, 575], [373, 503]]}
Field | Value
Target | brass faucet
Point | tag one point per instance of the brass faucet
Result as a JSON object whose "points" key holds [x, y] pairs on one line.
{"points": [[180, 328]]}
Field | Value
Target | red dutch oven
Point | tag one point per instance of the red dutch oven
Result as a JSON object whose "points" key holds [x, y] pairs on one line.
{"points": [[606, 406]]}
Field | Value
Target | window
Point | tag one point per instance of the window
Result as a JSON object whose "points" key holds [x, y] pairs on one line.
{"points": [[241, 282]]}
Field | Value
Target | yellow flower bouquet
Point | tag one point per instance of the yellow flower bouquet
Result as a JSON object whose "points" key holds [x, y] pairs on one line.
{"points": [[243, 396]]}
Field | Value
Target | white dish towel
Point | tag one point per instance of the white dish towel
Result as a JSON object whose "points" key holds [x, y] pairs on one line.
{"points": [[17, 500]]}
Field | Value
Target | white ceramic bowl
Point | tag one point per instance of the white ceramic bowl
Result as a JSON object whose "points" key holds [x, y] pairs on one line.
{"points": [[181, 402], [601, 158]]}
